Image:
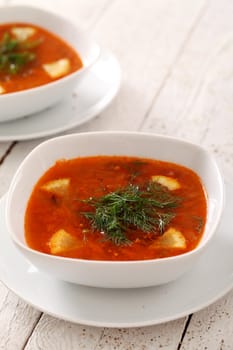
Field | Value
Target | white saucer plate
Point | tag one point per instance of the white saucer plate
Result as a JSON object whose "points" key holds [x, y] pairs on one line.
{"points": [[93, 95], [211, 278]]}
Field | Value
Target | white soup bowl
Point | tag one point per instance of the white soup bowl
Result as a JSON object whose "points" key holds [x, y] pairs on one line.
{"points": [[27, 102], [114, 274]]}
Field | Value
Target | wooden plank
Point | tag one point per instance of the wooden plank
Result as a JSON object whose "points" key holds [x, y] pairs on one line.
{"points": [[11, 163], [55, 334], [164, 336], [195, 103], [17, 320], [211, 328], [4, 146], [146, 37]]}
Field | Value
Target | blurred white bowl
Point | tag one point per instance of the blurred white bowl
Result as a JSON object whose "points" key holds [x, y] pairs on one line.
{"points": [[26, 102], [113, 274]]}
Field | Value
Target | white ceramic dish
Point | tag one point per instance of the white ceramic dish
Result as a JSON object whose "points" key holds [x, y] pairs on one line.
{"points": [[121, 274], [129, 307], [19, 104], [93, 95]]}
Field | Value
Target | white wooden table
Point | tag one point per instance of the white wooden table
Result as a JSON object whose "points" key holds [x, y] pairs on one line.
{"points": [[177, 63]]}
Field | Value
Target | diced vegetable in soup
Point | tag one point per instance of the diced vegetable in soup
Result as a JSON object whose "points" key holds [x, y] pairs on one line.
{"points": [[116, 208], [31, 56]]}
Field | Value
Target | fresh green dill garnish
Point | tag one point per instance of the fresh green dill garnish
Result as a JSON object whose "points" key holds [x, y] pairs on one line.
{"points": [[146, 208], [14, 54]]}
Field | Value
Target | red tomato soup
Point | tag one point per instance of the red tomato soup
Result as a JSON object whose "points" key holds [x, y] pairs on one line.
{"points": [[31, 56], [116, 208]]}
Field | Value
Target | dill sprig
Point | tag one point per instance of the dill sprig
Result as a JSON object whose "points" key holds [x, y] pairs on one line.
{"points": [[14, 55], [141, 207]]}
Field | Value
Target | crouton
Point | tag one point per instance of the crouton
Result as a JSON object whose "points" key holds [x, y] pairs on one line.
{"points": [[58, 187], [2, 90], [58, 68], [62, 241], [171, 238], [23, 33], [169, 182]]}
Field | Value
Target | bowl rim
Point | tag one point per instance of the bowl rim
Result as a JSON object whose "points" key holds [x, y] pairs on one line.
{"points": [[198, 249], [62, 79]]}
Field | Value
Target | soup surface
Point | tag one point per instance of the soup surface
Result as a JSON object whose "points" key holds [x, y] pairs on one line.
{"points": [[31, 56], [116, 208]]}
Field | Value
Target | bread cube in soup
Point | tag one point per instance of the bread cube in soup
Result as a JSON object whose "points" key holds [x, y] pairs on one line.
{"points": [[58, 68], [167, 181], [62, 241], [57, 187], [171, 238], [23, 33]]}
